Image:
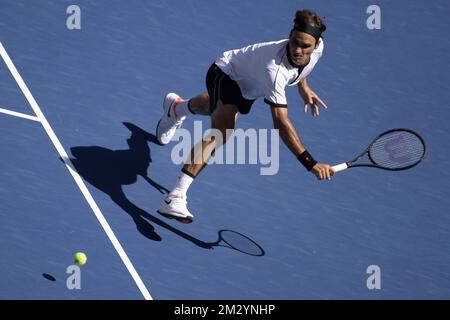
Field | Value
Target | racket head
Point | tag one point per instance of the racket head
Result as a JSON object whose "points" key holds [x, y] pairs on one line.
{"points": [[240, 242], [397, 149]]}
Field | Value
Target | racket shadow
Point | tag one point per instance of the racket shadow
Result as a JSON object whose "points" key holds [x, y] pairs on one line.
{"points": [[237, 241], [226, 239]]}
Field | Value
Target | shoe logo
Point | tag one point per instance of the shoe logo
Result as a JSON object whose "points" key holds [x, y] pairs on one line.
{"points": [[168, 202], [173, 106]]}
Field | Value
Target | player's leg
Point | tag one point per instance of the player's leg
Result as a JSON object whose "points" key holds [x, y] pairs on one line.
{"points": [[175, 110], [223, 119], [225, 103], [200, 104]]}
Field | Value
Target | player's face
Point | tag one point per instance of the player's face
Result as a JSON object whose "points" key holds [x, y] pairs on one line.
{"points": [[301, 45]]}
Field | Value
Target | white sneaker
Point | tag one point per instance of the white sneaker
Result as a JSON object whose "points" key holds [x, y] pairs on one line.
{"points": [[174, 207], [169, 123]]}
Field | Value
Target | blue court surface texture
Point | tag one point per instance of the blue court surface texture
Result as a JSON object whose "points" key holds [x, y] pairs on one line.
{"points": [[93, 97]]}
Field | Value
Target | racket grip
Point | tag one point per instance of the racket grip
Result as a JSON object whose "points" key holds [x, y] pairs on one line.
{"points": [[340, 167]]}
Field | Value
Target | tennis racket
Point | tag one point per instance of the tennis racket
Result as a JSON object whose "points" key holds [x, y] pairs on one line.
{"points": [[395, 150]]}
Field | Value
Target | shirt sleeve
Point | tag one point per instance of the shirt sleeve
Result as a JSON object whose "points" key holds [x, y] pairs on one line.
{"points": [[275, 94]]}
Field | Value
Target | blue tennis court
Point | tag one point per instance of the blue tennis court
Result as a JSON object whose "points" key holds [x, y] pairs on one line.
{"points": [[81, 169]]}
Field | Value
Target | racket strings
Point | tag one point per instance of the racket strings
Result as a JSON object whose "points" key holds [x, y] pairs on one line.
{"points": [[397, 149]]}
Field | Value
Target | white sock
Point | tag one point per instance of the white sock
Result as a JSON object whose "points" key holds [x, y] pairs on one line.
{"points": [[182, 185], [181, 109]]}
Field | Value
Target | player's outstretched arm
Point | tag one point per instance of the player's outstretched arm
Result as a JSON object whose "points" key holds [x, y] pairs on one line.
{"points": [[287, 131], [292, 140]]}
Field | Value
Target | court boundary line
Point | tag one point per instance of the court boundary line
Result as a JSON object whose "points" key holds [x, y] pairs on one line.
{"points": [[79, 181], [19, 114]]}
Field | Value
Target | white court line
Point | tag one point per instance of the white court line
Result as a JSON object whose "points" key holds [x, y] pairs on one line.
{"points": [[74, 173], [18, 114]]}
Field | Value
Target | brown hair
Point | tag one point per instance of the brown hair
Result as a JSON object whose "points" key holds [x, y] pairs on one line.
{"points": [[310, 18]]}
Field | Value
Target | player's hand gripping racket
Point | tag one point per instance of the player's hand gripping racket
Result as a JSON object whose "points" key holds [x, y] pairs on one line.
{"points": [[396, 149]]}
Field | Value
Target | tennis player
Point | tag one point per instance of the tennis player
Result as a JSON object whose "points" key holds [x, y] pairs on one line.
{"points": [[234, 81]]}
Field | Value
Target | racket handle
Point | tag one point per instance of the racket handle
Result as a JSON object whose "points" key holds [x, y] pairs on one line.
{"points": [[340, 167]]}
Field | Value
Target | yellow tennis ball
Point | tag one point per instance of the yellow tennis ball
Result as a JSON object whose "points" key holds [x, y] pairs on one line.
{"points": [[80, 258]]}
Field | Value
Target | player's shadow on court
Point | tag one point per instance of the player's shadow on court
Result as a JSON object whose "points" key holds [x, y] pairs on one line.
{"points": [[109, 170]]}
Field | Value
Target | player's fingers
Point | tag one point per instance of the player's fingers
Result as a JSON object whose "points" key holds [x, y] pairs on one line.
{"points": [[306, 107], [315, 110], [317, 175], [331, 171], [327, 174], [321, 102], [324, 174], [311, 103]]}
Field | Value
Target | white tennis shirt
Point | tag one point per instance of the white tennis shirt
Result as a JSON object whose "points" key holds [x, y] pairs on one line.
{"points": [[263, 70]]}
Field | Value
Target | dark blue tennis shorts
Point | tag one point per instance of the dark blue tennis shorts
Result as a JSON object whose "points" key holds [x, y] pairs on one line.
{"points": [[221, 86]]}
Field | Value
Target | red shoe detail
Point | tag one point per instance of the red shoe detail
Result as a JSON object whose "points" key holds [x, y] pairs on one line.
{"points": [[174, 106]]}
